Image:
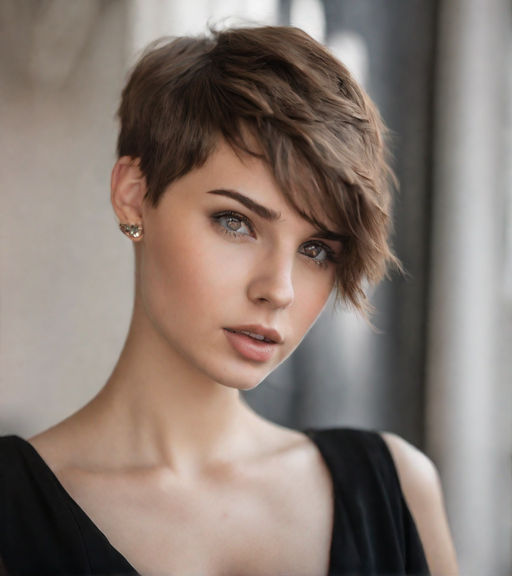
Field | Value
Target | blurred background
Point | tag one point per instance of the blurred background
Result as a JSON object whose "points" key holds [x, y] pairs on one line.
{"points": [[438, 369]]}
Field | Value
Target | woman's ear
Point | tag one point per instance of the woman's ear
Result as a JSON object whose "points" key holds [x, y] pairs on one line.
{"points": [[127, 191]]}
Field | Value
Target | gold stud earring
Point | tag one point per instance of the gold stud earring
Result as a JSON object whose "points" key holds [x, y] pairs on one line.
{"points": [[133, 231]]}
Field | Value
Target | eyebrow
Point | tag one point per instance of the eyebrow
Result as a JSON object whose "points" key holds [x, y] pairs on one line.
{"points": [[272, 215], [329, 235], [259, 209]]}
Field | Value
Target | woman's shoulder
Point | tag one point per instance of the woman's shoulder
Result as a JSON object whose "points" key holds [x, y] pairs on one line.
{"points": [[421, 486], [417, 473], [29, 490], [14, 458], [42, 530], [20, 457], [28, 502], [371, 465], [24, 478], [365, 471], [353, 451], [388, 455]]}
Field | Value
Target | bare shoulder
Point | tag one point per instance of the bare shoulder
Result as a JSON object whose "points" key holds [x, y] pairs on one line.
{"points": [[418, 475], [422, 490], [62, 445]]}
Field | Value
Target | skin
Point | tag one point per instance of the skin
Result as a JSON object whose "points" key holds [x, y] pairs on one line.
{"points": [[188, 260], [169, 434], [422, 490]]}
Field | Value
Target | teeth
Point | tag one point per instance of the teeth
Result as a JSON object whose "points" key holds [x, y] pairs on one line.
{"points": [[252, 335]]}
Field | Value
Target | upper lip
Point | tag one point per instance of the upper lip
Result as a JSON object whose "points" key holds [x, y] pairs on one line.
{"points": [[268, 333]]}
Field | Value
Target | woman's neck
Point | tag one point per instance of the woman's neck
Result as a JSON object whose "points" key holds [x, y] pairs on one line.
{"points": [[156, 410]]}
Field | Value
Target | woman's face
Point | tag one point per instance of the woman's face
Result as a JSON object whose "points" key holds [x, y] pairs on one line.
{"points": [[230, 276]]}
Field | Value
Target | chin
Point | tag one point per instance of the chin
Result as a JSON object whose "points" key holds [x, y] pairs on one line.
{"points": [[242, 378], [242, 382], [243, 386]]}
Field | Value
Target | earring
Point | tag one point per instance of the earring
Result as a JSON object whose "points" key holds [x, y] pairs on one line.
{"points": [[133, 231]]}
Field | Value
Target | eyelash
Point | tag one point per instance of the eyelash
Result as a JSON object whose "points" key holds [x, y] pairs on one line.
{"points": [[235, 216], [330, 253]]}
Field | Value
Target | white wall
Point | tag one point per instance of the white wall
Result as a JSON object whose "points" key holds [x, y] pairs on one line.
{"points": [[66, 272], [66, 269]]}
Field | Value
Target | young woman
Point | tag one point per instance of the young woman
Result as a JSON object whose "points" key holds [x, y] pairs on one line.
{"points": [[253, 183]]}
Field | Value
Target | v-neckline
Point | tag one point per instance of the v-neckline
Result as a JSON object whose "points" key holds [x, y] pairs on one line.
{"points": [[310, 433]]}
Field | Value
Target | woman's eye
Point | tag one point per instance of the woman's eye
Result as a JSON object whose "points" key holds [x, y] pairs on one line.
{"points": [[318, 252], [234, 224]]}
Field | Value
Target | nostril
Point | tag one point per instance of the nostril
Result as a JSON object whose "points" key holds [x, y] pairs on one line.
{"points": [[272, 285]]}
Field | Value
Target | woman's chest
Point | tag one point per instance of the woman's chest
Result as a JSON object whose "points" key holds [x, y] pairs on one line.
{"points": [[277, 521]]}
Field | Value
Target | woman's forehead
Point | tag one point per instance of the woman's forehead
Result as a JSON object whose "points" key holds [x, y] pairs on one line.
{"points": [[295, 181]]}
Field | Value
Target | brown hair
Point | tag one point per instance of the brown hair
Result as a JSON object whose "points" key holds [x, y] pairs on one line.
{"points": [[312, 123]]}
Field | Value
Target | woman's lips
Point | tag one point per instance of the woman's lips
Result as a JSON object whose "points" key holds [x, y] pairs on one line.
{"points": [[250, 348]]}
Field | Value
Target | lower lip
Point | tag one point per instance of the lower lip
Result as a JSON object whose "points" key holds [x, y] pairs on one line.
{"points": [[250, 348]]}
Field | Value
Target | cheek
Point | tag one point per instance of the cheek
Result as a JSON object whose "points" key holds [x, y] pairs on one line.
{"points": [[311, 298], [171, 277], [181, 271]]}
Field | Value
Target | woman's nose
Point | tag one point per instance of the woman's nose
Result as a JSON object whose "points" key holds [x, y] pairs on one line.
{"points": [[272, 281]]}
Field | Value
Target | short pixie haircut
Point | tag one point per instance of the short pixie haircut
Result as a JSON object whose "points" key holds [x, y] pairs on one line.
{"points": [[275, 93]]}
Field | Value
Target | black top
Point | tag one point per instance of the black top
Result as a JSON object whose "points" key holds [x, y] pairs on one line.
{"points": [[44, 532]]}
